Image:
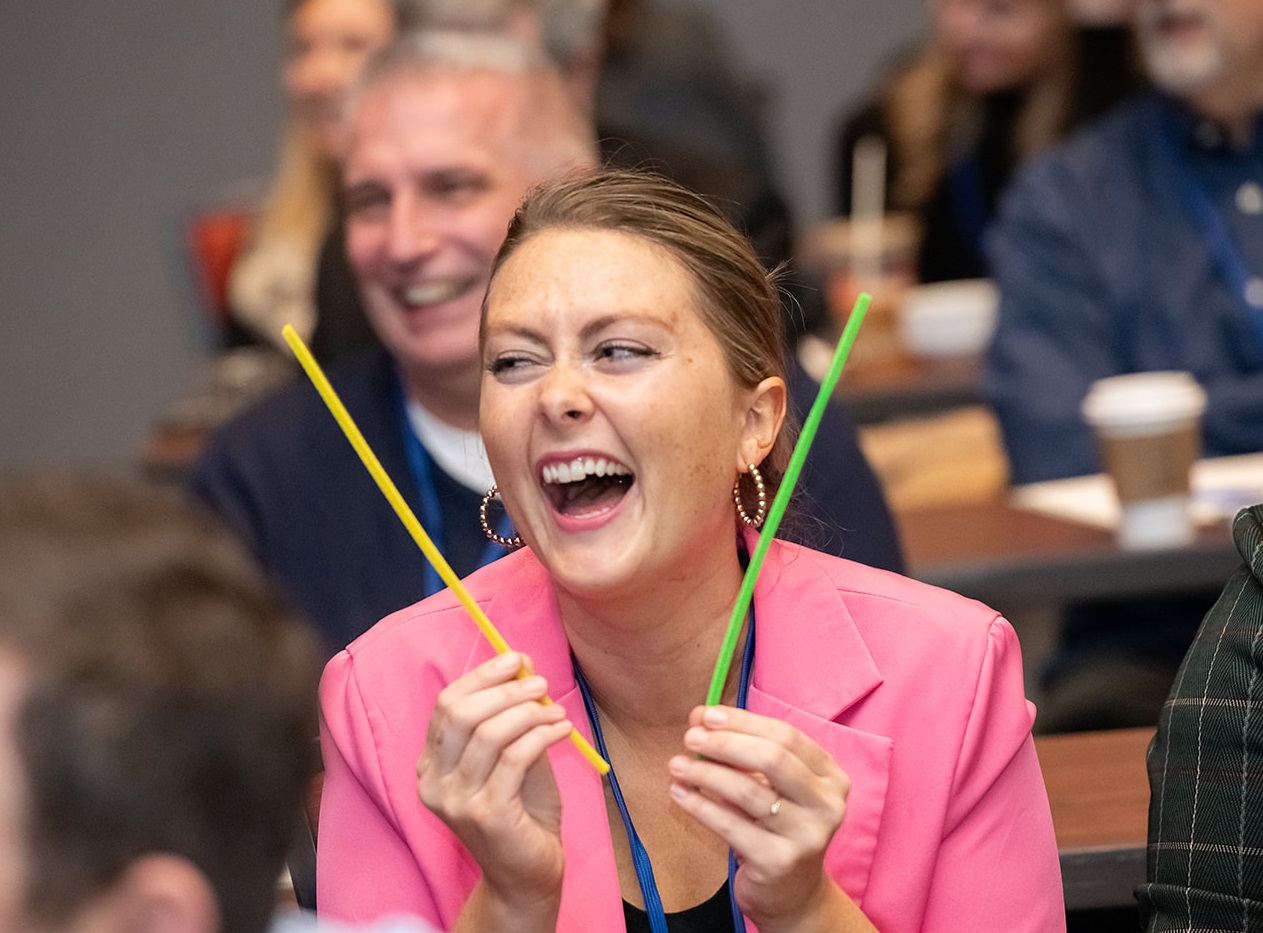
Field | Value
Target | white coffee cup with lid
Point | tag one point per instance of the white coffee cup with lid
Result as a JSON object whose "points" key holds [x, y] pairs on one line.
{"points": [[1148, 431]]}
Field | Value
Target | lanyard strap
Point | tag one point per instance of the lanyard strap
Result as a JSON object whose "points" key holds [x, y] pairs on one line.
{"points": [[1228, 259], [421, 466], [640, 856]]}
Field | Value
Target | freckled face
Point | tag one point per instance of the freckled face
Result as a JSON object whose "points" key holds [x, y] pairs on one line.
{"points": [[611, 420]]}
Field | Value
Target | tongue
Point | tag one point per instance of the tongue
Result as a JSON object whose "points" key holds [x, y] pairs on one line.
{"points": [[594, 494]]}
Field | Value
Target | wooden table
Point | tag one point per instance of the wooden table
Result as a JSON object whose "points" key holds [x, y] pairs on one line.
{"points": [[1098, 790], [904, 386], [1007, 556]]}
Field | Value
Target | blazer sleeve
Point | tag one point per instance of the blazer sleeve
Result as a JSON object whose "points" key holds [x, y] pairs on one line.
{"points": [[997, 865], [365, 869]]}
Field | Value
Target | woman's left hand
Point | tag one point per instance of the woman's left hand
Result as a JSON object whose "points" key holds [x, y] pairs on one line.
{"points": [[777, 798]]}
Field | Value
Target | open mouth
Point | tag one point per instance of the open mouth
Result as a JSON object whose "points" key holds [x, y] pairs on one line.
{"points": [[586, 485]]}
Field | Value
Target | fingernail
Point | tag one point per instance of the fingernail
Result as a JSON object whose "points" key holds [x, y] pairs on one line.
{"points": [[714, 716], [678, 765], [695, 738], [535, 686], [678, 791]]}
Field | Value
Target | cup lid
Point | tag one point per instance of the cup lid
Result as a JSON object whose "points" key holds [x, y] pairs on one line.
{"points": [[1140, 400]]}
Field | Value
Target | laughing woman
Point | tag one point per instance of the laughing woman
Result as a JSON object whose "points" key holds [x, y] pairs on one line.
{"points": [[870, 765]]}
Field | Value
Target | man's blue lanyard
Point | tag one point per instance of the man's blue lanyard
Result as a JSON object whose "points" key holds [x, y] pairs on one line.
{"points": [[421, 465], [1247, 286], [640, 857]]}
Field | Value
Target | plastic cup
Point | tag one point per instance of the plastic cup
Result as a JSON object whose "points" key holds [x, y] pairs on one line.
{"points": [[876, 255], [948, 318], [1148, 432]]}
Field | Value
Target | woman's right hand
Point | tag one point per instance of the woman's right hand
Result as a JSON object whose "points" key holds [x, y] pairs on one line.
{"points": [[485, 774]]}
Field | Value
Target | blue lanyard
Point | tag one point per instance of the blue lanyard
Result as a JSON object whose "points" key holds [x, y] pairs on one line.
{"points": [[1228, 259], [420, 464], [640, 857]]}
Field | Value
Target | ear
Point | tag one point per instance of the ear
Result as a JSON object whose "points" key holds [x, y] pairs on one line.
{"points": [[164, 893], [765, 413]]}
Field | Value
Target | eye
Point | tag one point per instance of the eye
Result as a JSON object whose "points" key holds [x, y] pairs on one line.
{"points": [[456, 185], [621, 352], [511, 366], [363, 201]]}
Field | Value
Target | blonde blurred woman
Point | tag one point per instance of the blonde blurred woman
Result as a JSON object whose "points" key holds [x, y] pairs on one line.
{"points": [[326, 44]]}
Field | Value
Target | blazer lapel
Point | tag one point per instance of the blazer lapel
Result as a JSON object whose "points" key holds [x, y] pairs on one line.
{"points": [[811, 666]]}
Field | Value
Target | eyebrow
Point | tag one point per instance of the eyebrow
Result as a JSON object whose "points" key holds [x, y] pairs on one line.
{"points": [[591, 329], [361, 187]]}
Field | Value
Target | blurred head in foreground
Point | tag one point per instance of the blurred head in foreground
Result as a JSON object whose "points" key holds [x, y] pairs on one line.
{"points": [[156, 715]]}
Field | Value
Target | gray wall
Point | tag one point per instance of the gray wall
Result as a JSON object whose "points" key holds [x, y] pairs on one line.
{"points": [[816, 58], [118, 118]]}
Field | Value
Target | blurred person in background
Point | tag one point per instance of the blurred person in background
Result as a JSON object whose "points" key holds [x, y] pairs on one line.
{"points": [[997, 82], [668, 78], [273, 282], [1138, 246]]}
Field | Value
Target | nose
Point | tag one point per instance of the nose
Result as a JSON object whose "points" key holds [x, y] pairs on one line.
{"points": [[958, 22], [564, 398], [325, 72], [411, 235]]}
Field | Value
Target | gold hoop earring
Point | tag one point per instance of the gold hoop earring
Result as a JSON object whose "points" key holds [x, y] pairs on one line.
{"points": [[514, 542], [760, 489]]}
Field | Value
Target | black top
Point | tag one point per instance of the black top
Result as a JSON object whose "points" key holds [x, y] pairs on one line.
{"points": [[713, 915]]}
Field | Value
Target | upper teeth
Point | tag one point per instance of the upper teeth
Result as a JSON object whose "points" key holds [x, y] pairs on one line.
{"points": [[432, 292], [582, 467]]}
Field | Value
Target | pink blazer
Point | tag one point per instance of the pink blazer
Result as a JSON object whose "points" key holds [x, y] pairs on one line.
{"points": [[915, 691]]}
